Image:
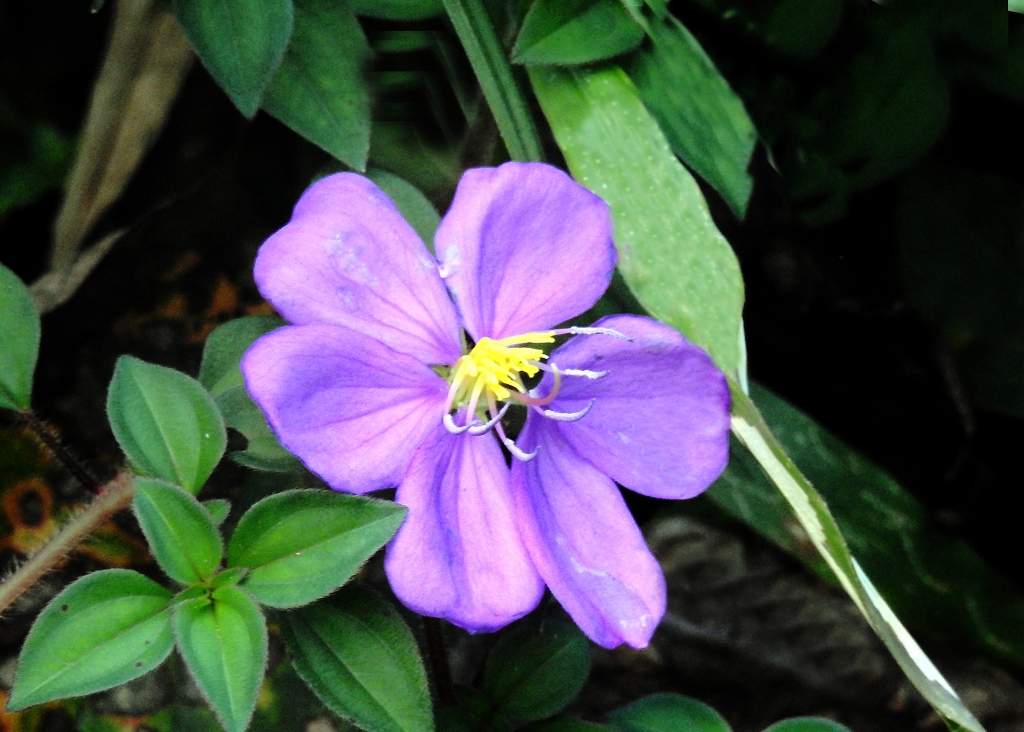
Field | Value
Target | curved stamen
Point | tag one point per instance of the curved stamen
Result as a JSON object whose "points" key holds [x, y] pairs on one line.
{"points": [[534, 401], [449, 424], [574, 330], [512, 447], [567, 416], [480, 429]]}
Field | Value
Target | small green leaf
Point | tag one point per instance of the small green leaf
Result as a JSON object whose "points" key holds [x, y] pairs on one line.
{"points": [[104, 629], [223, 639], [218, 508], [321, 89], [360, 658], [668, 713], [219, 371], [410, 202], [303, 544], [166, 423], [398, 9], [807, 724], [230, 576], [532, 675], [570, 32], [681, 269], [702, 117], [240, 42], [19, 341], [180, 532]]}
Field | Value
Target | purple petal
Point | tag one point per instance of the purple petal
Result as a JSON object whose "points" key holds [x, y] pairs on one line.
{"points": [[458, 555], [660, 420], [524, 248], [351, 408], [584, 541], [348, 257]]}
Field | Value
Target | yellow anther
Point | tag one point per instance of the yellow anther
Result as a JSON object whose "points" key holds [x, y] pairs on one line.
{"points": [[495, 367]]}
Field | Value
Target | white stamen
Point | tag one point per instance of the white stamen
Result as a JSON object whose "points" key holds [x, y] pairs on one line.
{"points": [[568, 416], [449, 424], [575, 330], [512, 448], [486, 427]]}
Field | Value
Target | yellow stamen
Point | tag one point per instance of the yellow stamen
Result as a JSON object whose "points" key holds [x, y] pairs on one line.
{"points": [[494, 368]]}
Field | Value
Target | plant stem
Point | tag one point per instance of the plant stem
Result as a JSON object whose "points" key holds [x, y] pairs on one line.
{"points": [[487, 57], [69, 462], [112, 497], [439, 661]]}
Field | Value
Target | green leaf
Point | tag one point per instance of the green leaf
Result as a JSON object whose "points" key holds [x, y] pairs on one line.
{"points": [[223, 639], [822, 531], [807, 724], [487, 57], [360, 658], [180, 532], [961, 237], [19, 341], [668, 713], [218, 508], [105, 629], [411, 203], [1015, 6], [681, 269], [702, 117], [240, 42], [532, 675], [321, 89], [936, 584], [570, 32], [398, 9], [302, 544], [166, 422], [220, 373]]}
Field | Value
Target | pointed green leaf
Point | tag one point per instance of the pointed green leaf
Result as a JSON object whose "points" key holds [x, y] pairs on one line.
{"points": [[240, 42], [668, 713], [223, 639], [360, 658], [532, 675], [681, 269], [180, 532], [302, 544], [320, 89], [821, 529], [105, 629], [702, 117], [166, 422], [19, 341], [262, 450], [570, 32]]}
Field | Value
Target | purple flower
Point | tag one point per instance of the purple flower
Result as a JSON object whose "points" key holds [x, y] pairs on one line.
{"points": [[374, 386]]}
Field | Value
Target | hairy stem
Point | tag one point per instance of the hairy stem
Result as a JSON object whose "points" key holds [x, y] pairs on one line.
{"points": [[439, 661], [69, 462], [112, 497]]}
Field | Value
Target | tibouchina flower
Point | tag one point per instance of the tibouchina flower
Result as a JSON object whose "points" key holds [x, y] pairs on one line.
{"points": [[372, 386]]}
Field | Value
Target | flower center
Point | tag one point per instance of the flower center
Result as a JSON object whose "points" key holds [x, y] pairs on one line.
{"points": [[494, 368]]}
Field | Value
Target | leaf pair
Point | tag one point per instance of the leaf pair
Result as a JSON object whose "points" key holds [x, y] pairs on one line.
{"points": [[303, 62]]}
